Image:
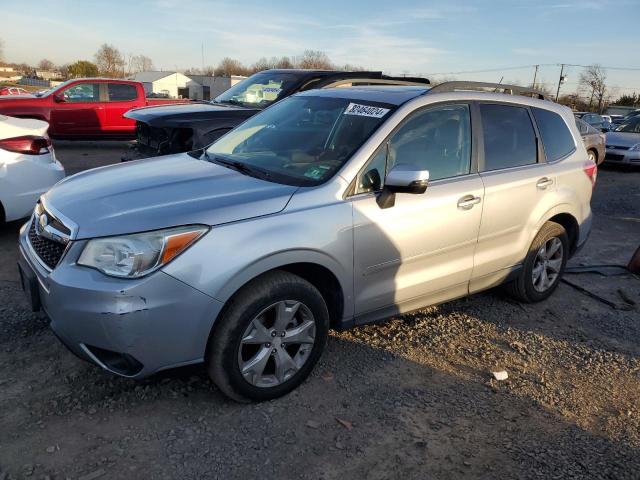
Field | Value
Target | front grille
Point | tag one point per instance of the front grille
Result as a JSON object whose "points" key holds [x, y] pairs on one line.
{"points": [[49, 251], [613, 157]]}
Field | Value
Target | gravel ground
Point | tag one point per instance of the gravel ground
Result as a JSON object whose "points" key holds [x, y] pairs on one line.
{"points": [[411, 398]]}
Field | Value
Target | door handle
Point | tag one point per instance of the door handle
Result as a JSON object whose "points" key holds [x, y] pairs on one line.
{"points": [[468, 201], [544, 182]]}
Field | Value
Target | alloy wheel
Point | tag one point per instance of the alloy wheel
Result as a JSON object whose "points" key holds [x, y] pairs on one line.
{"points": [[277, 343], [547, 264]]}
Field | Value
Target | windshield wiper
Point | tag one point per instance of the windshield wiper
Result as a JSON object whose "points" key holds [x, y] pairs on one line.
{"points": [[239, 166]]}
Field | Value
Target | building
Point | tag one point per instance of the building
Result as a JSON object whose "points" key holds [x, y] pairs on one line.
{"points": [[178, 85], [170, 84], [210, 87], [8, 74]]}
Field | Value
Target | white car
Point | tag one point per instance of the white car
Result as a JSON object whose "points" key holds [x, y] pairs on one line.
{"points": [[28, 166]]}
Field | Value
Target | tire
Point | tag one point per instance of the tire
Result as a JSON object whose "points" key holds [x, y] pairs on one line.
{"points": [[258, 303], [525, 288], [593, 156]]}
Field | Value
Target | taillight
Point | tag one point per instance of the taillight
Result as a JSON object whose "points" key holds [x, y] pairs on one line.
{"points": [[591, 171], [28, 144]]}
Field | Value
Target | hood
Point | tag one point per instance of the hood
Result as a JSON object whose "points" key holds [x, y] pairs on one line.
{"points": [[622, 139], [17, 127], [188, 114], [162, 192]]}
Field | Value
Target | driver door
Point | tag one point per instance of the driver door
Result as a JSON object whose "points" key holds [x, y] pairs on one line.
{"points": [[419, 251], [80, 111]]}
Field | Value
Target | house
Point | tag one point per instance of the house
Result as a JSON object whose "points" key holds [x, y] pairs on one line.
{"points": [[178, 85], [171, 84], [48, 74], [9, 74]]}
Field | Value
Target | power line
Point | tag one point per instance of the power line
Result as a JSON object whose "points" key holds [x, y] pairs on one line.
{"points": [[522, 67]]}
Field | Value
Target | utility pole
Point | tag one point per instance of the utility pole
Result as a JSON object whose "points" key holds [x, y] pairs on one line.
{"points": [[535, 75], [560, 81], [202, 51]]}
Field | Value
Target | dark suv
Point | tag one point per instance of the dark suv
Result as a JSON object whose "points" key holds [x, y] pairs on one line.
{"points": [[183, 128]]}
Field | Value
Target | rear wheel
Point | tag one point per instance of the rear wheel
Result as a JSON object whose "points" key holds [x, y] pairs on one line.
{"points": [[593, 156], [269, 338], [543, 266]]}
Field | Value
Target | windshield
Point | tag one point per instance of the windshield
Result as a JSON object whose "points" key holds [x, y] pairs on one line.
{"points": [[46, 93], [632, 126], [301, 140], [260, 90]]}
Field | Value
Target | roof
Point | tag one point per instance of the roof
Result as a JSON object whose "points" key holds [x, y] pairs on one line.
{"points": [[382, 94], [151, 76]]}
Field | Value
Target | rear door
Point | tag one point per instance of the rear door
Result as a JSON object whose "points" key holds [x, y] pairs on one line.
{"points": [[80, 111], [518, 186], [121, 97]]}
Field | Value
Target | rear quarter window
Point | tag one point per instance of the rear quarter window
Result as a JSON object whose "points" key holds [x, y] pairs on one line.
{"points": [[122, 92], [556, 136]]}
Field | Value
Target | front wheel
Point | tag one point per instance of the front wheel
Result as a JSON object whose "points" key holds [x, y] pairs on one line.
{"points": [[543, 266], [269, 338]]}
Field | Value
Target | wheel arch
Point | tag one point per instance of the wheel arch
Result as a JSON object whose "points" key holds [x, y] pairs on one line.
{"points": [[563, 215]]}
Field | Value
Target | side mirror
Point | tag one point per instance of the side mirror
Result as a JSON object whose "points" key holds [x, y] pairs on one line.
{"points": [[407, 179], [59, 98], [402, 179]]}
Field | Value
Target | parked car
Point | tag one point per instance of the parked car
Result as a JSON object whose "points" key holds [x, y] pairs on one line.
{"points": [[182, 128], [13, 91], [89, 108], [616, 119], [623, 144], [594, 141], [595, 120], [332, 208], [28, 166]]}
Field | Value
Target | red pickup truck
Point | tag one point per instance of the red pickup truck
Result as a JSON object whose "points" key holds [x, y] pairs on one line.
{"points": [[84, 108]]}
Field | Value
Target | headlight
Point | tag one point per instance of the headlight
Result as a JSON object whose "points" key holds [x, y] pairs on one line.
{"points": [[136, 255], [635, 148]]}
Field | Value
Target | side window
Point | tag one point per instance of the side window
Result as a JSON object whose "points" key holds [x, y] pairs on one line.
{"points": [[437, 139], [82, 92], [556, 137], [509, 138], [121, 92]]}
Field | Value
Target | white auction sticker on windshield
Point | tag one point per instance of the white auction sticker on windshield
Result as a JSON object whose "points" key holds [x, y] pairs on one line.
{"points": [[365, 110], [275, 90]]}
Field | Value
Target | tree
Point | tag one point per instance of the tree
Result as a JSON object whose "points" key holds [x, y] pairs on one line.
{"points": [[46, 65], [626, 100], [1, 50], [593, 78], [229, 66], [140, 63], [82, 68], [314, 59], [109, 61]]}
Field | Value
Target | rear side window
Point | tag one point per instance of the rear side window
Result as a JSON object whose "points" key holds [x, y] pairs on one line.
{"points": [[509, 138], [121, 92], [556, 137]]}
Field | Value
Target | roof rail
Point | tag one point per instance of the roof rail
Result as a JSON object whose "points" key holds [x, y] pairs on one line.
{"points": [[498, 87]]}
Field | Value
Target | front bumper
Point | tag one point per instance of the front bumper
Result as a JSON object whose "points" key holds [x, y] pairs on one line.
{"points": [[132, 328], [616, 155]]}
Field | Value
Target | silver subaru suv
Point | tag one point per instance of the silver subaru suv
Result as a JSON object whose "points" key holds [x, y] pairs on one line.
{"points": [[330, 209]]}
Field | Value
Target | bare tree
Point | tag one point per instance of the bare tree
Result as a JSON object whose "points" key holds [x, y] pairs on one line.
{"points": [[1, 50], [229, 66], [314, 59], [109, 61], [46, 64], [593, 78], [140, 63]]}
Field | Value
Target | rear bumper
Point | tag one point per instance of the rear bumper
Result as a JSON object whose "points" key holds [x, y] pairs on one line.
{"points": [[22, 182], [132, 328]]}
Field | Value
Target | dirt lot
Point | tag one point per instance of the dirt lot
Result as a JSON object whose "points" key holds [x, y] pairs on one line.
{"points": [[411, 398]]}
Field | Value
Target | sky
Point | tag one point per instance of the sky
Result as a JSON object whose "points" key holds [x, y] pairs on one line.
{"points": [[436, 39]]}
